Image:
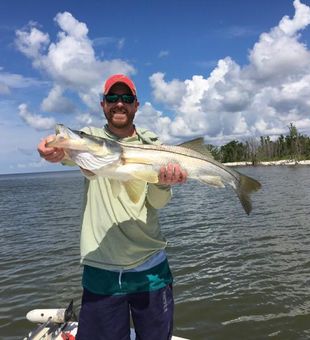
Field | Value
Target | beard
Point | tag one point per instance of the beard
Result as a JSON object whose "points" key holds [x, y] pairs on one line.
{"points": [[119, 118]]}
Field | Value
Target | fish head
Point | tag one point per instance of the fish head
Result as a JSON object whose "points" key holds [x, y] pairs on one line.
{"points": [[69, 139], [66, 138]]}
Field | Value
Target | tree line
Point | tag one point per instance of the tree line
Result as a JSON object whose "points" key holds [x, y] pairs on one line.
{"points": [[293, 146]]}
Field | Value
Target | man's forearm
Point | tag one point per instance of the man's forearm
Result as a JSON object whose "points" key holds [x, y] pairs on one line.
{"points": [[158, 195]]}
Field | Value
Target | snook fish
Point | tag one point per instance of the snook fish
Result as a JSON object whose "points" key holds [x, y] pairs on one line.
{"points": [[133, 165]]}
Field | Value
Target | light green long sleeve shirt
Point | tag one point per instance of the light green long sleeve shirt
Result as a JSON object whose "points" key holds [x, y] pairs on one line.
{"points": [[117, 233]]}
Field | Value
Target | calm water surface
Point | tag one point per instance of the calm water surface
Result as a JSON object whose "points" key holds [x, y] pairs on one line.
{"points": [[236, 276]]}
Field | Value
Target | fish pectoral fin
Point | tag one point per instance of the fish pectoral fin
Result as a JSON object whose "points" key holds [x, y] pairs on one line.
{"points": [[214, 181], [149, 176], [92, 162], [135, 189], [115, 187], [142, 172]]}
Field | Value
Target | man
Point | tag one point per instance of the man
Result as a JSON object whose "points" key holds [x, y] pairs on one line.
{"points": [[122, 248]]}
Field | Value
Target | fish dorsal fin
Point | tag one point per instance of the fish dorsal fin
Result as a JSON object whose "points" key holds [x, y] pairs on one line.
{"points": [[135, 189], [197, 145]]}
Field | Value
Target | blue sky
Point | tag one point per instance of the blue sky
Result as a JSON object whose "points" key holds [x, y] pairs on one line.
{"points": [[219, 69]]}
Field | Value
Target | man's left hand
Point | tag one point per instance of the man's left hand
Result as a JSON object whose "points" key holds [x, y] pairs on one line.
{"points": [[172, 174]]}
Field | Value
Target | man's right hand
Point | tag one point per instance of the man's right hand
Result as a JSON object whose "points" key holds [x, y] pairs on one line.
{"points": [[53, 155]]}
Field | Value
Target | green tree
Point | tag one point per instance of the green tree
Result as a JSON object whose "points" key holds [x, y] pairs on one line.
{"points": [[233, 151], [293, 139]]}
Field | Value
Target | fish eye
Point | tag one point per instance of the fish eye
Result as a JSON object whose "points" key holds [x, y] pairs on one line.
{"points": [[82, 134]]}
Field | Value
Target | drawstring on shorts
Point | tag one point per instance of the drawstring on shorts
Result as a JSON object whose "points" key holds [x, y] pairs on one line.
{"points": [[120, 279]]}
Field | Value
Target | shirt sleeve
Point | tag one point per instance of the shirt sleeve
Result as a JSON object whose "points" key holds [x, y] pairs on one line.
{"points": [[158, 195]]}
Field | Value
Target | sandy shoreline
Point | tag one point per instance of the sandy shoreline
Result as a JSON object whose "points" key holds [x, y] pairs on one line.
{"points": [[271, 163]]}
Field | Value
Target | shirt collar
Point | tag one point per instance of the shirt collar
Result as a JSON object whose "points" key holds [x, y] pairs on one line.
{"points": [[111, 135]]}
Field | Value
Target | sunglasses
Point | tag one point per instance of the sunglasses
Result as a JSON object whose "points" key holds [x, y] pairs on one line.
{"points": [[125, 98]]}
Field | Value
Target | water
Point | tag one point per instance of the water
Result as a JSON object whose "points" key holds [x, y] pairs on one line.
{"points": [[236, 276]]}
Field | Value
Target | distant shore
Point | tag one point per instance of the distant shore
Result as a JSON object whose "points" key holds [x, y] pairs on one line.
{"points": [[288, 162]]}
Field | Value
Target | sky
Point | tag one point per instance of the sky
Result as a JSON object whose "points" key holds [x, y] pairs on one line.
{"points": [[220, 69]]}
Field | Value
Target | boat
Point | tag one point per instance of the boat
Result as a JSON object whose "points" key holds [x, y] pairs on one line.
{"points": [[59, 324]]}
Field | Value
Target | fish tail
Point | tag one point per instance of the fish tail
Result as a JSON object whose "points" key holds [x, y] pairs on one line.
{"points": [[245, 187]]}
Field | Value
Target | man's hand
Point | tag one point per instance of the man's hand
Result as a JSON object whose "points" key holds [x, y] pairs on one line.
{"points": [[172, 174], [53, 155]]}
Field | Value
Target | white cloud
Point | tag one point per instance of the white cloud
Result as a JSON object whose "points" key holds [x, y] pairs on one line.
{"points": [[279, 56], [4, 89], [234, 101], [33, 43], [41, 163], [121, 43], [69, 62], [168, 93], [38, 122], [163, 53], [71, 26], [56, 102], [104, 41], [87, 119], [237, 31], [260, 98], [301, 19], [154, 120], [9, 81]]}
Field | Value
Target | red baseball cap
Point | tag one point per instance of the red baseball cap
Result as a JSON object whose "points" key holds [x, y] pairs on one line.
{"points": [[119, 78]]}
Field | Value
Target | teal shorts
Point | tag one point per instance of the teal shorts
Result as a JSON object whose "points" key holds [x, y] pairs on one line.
{"points": [[106, 282]]}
